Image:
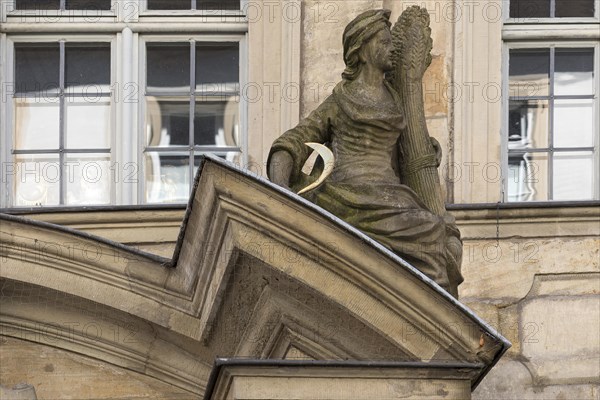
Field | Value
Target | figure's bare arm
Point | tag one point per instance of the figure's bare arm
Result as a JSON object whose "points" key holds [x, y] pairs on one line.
{"points": [[289, 151], [280, 168]]}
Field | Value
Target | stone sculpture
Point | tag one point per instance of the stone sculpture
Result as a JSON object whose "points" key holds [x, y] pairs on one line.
{"points": [[384, 179]]}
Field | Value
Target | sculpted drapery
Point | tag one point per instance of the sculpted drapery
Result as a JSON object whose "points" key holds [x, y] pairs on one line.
{"points": [[362, 125]]}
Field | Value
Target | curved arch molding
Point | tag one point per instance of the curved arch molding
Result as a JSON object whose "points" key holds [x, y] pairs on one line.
{"points": [[257, 273]]}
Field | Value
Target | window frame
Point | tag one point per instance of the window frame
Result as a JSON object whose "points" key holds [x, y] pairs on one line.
{"points": [[548, 20], [557, 32], [273, 63], [241, 39], [241, 13], [127, 84], [55, 15], [8, 127]]}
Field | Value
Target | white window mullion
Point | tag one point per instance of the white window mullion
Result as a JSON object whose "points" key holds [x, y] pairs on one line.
{"points": [[8, 165], [141, 126], [596, 171], [126, 164], [243, 104]]}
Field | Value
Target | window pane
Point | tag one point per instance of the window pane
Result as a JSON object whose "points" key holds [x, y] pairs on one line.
{"points": [[169, 5], [167, 177], [88, 64], [527, 177], [88, 179], [37, 4], [574, 71], [168, 66], [87, 124], [36, 124], [37, 180], [573, 176], [218, 5], [529, 72], [575, 8], [217, 63], [217, 123], [528, 124], [529, 8], [88, 4], [167, 121], [574, 123], [37, 68], [187, 5]]}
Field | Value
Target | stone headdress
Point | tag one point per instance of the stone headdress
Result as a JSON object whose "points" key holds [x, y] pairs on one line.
{"points": [[357, 33]]}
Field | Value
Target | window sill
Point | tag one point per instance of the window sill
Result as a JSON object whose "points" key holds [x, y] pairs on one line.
{"points": [[527, 220], [551, 31]]}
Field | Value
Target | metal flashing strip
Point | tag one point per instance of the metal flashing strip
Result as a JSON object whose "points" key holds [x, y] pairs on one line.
{"points": [[84, 235]]}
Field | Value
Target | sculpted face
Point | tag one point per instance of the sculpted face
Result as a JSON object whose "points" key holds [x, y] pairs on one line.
{"points": [[378, 50]]}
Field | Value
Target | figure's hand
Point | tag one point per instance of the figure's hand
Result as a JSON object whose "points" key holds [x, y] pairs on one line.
{"points": [[438, 151], [280, 168]]}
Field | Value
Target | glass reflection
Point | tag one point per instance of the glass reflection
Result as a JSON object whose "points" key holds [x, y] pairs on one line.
{"points": [[36, 124], [87, 67], [169, 5], [574, 123], [87, 124], [37, 180], [528, 124], [168, 67], [216, 123], [574, 8], [37, 68], [529, 8], [574, 72], [167, 121], [217, 63], [529, 72], [527, 176], [88, 5], [167, 177], [37, 5], [88, 179], [218, 5], [573, 176]]}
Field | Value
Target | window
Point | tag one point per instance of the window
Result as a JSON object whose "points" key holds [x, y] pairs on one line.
{"points": [[192, 106], [41, 5], [551, 133], [62, 89], [193, 4], [106, 115]]}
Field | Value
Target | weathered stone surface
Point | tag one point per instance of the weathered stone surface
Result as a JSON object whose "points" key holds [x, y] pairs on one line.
{"points": [[506, 271], [555, 331], [511, 380], [560, 337], [302, 381], [435, 92], [58, 374]]}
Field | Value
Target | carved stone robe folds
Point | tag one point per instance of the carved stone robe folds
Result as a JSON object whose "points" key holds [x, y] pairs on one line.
{"points": [[364, 188]]}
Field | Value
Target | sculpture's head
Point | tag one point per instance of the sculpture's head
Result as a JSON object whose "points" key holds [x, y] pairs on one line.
{"points": [[372, 29]]}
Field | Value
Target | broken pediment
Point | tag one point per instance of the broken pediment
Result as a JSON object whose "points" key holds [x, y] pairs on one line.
{"points": [[258, 273]]}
